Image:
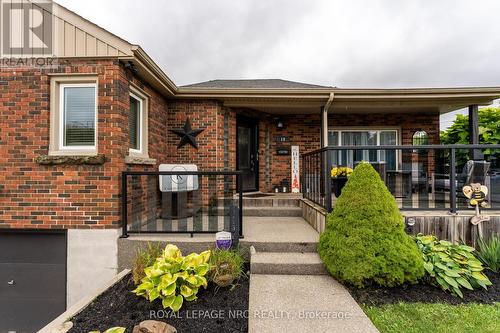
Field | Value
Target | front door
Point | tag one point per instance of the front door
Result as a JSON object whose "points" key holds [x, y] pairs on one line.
{"points": [[246, 153]]}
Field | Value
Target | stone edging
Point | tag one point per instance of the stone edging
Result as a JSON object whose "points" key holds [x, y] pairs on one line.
{"points": [[62, 324], [314, 214], [71, 159]]}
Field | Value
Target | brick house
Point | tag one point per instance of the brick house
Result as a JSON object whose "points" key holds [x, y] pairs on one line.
{"points": [[69, 130]]}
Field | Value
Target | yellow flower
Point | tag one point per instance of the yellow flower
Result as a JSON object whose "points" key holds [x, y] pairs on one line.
{"points": [[341, 172]]}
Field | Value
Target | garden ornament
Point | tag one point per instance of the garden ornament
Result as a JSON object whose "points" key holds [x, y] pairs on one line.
{"points": [[476, 193], [187, 134]]}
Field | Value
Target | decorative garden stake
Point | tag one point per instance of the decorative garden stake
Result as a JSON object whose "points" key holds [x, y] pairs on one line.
{"points": [[187, 135], [223, 240], [476, 193]]}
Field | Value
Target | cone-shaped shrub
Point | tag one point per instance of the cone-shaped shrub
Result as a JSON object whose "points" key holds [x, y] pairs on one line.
{"points": [[364, 240]]}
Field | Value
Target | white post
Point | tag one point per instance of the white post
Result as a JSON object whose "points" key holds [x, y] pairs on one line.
{"points": [[324, 127], [324, 121]]}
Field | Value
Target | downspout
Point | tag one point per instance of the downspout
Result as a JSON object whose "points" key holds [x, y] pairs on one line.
{"points": [[324, 121]]}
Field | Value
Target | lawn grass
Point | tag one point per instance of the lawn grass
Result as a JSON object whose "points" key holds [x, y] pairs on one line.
{"points": [[435, 317]]}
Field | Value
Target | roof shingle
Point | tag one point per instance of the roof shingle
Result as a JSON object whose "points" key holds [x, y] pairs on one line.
{"points": [[254, 84]]}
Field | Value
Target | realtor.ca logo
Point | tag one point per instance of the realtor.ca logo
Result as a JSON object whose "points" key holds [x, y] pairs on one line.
{"points": [[26, 33]]}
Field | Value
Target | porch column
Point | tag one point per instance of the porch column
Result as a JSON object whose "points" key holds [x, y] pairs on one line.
{"points": [[326, 160], [474, 131]]}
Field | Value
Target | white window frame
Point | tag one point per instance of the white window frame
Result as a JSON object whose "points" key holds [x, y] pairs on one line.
{"points": [[141, 133], [339, 130], [62, 116]]}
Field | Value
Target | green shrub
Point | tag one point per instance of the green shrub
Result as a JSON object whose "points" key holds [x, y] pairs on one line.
{"points": [[145, 257], [364, 240], [450, 266], [226, 266], [174, 278], [488, 252]]}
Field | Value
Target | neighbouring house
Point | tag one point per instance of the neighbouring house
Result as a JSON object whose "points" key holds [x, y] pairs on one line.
{"points": [[69, 129]]}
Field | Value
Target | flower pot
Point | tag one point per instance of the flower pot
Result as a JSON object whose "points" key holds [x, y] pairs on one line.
{"points": [[224, 280], [337, 185]]}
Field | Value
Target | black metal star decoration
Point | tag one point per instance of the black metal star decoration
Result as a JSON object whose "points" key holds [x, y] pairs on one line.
{"points": [[187, 135]]}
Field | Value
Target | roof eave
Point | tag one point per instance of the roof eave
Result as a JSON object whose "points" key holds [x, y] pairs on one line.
{"points": [[340, 93], [147, 67]]}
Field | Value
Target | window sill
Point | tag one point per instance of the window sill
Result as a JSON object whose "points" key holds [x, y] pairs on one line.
{"points": [[71, 159], [132, 159]]}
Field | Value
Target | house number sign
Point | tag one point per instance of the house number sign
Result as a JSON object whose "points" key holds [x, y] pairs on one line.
{"points": [[281, 138]]}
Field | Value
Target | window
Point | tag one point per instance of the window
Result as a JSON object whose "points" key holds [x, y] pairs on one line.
{"points": [[138, 123], [135, 123], [364, 137], [420, 138], [73, 114], [78, 116]]}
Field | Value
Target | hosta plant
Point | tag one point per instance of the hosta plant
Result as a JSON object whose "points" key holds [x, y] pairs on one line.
{"points": [[174, 278], [112, 330], [450, 266]]}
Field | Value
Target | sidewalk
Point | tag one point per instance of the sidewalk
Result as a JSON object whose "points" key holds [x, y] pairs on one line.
{"points": [[303, 303]]}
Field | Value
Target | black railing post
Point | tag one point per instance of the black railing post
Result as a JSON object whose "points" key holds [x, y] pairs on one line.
{"points": [[240, 202], [328, 182], [124, 200], [476, 154], [453, 185]]}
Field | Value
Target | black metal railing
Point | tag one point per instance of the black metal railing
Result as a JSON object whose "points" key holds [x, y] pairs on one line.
{"points": [[181, 202], [425, 177]]}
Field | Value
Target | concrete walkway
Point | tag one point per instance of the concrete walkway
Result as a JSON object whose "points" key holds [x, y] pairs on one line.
{"points": [[303, 303], [278, 229]]}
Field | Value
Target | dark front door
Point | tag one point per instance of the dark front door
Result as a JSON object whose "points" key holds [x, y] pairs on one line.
{"points": [[246, 153], [32, 280]]}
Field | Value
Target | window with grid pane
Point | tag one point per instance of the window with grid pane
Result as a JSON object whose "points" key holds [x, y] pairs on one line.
{"points": [[79, 113], [135, 123], [365, 137]]}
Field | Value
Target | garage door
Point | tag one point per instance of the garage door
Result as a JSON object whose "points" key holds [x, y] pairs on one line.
{"points": [[32, 279]]}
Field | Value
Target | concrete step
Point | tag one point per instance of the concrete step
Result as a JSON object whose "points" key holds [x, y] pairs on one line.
{"points": [[265, 202], [272, 211], [286, 263], [281, 247], [270, 202]]}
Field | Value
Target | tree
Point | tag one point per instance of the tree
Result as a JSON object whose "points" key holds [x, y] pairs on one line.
{"points": [[365, 240], [489, 128]]}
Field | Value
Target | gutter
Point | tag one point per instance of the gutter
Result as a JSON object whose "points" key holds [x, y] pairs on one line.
{"points": [[328, 103], [171, 90], [324, 120], [149, 67]]}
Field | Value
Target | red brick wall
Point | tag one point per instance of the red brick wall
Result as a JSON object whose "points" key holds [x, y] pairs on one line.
{"points": [[83, 196], [202, 115], [302, 130], [66, 196]]}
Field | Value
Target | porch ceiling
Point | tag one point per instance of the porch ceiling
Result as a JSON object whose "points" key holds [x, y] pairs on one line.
{"points": [[304, 101]]}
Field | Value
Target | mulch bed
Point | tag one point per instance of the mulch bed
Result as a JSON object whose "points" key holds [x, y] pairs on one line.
{"points": [[424, 293], [214, 311]]}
